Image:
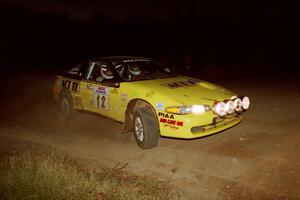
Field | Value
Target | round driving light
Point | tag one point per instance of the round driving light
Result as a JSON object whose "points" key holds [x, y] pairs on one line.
{"points": [[198, 109], [237, 104], [220, 108], [246, 103], [229, 107]]}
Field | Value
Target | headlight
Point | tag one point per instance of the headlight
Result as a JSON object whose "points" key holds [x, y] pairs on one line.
{"points": [[245, 102], [198, 109], [181, 110], [220, 108], [237, 104], [229, 107]]}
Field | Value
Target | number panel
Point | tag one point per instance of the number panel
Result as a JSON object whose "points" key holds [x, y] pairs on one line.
{"points": [[101, 97]]}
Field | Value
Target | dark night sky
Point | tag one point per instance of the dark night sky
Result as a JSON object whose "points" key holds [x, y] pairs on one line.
{"points": [[120, 9], [116, 9], [222, 32]]}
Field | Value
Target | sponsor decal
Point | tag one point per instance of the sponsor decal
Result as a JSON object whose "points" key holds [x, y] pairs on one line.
{"points": [[160, 106], [173, 85], [101, 90], [124, 96], [171, 127], [114, 91], [66, 84], [166, 115], [150, 93], [171, 122], [89, 86]]}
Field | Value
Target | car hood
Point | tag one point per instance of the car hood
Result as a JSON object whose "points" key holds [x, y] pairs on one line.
{"points": [[185, 90]]}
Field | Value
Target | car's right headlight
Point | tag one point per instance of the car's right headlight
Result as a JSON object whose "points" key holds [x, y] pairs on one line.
{"points": [[193, 109]]}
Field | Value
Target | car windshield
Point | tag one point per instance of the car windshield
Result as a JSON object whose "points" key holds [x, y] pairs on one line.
{"points": [[134, 70]]}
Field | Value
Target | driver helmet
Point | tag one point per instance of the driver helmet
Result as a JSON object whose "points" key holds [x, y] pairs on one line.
{"points": [[106, 72], [134, 69]]}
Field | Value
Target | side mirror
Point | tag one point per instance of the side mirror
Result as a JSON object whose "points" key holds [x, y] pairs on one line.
{"points": [[110, 83]]}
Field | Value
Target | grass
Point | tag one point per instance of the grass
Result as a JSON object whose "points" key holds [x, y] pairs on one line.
{"points": [[53, 175]]}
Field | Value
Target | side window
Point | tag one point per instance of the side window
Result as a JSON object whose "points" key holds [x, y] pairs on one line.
{"points": [[90, 70], [129, 71], [95, 73], [121, 70], [99, 72], [83, 69]]}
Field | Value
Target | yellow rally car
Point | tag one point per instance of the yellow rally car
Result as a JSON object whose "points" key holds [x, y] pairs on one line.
{"points": [[148, 99]]}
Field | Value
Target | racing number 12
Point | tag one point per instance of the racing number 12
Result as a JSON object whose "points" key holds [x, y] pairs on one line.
{"points": [[102, 101]]}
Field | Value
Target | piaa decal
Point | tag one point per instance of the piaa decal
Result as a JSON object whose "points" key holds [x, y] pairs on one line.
{"points": [[166, 115]]}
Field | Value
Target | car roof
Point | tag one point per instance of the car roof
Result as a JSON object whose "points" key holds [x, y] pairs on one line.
{"points": [[118, 59]]}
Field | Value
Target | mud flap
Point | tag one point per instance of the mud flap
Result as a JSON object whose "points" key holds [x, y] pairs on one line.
{"points": [[127, 125]]}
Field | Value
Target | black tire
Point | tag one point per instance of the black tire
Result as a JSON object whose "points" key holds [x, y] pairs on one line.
{"points": [[145, 128], [66, 106]]}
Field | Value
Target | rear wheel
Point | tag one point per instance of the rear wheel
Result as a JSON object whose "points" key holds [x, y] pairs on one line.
{"points": [[66, 106], [146, 131]]}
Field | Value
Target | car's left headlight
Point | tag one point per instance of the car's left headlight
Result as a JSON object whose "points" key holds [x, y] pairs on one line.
{"points": [[193, 109]]}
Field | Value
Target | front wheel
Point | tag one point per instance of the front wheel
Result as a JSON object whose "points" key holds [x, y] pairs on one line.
{"points": [[146, 131]]}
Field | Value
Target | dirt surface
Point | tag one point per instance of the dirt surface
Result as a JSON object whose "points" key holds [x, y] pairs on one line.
{"points": [[258, 159]]}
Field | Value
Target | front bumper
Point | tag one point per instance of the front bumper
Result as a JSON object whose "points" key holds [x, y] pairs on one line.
{"points": [[195, 126]]}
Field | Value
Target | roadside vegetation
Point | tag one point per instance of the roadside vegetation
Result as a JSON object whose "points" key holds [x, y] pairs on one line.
{"points": [[53, 175]]}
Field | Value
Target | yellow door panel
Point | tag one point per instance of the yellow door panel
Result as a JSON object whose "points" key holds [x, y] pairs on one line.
{"points": [[86, 92], [101, 99]]}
